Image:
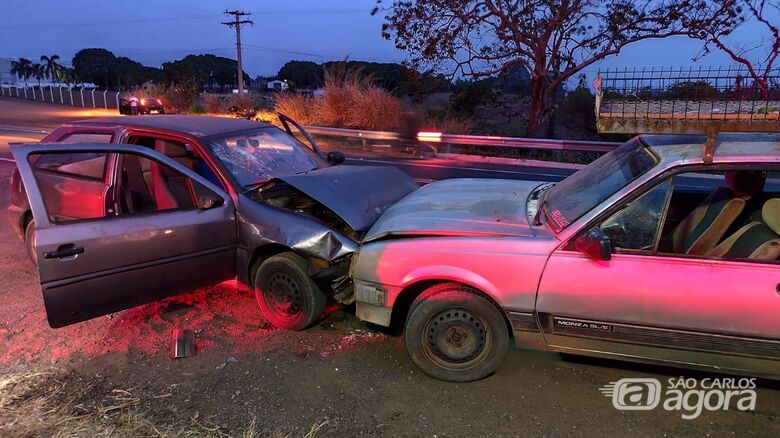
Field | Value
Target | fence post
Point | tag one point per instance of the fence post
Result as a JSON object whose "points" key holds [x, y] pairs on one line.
{"points": [[81, 92], [62, 100], [25, 91], [93, 98], [105, 101], [51, 90], [117, 99]]}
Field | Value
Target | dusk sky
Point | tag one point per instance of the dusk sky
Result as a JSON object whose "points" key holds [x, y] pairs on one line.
{"points": [[156, 31]]}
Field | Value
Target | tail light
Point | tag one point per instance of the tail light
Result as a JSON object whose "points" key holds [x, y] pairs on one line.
{"points": [[143, 101], [159, 101]]}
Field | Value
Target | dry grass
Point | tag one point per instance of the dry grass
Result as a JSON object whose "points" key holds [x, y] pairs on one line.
{"points": [[450, 125], [375, 109], [213, 103], [350, 99], [296, 106], [49, 403], [241, 102]]}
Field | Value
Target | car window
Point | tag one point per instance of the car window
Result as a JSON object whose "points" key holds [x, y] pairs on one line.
{"points": [[85, 164], [83, 137], [141, 186], [636, 226], [181, 152]]}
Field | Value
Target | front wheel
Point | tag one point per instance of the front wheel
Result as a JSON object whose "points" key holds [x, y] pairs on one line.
{"points": [[455, 334], [288, 297]]}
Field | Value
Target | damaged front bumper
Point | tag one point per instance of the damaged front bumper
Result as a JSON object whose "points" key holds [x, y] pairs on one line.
{"points": [[371, 302]]}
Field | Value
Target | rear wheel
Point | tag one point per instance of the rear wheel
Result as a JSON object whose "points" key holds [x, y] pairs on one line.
{"points": [[29, 241], [288, 297], [455, 334]]}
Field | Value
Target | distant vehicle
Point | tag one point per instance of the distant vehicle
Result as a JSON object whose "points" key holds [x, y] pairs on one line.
{"points": [[145, 106], [122, 211], [650, 253]]}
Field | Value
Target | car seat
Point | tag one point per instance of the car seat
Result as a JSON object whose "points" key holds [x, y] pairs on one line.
{"points": [[705, 226], [759, 240]]}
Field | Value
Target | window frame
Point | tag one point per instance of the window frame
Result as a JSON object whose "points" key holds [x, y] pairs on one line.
{"points": [[673, 173]]}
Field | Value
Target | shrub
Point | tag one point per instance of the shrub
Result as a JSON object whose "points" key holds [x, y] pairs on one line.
{"points": [[241, 102], [180, 97], [197, 108], [297, 106], [374, 108], [213, 103]]}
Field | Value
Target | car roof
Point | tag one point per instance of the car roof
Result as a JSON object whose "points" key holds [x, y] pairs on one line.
{"points": [[729, 147], [198, 126]]}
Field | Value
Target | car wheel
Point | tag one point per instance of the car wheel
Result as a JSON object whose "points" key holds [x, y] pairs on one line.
{"points": [[288, 297], [29, 241], [455, 334]]}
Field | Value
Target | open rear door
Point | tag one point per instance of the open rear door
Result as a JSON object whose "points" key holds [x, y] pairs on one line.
{"points": [[121, 225]]}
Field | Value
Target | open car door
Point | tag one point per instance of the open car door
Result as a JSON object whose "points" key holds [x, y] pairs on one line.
{"points": [[118, 226]]}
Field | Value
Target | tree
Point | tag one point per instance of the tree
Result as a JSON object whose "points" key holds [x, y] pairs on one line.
{"points": [[758, 11], [51, 67], [208, 70], [98, 66], [39, 72], [22, 68], [303, 74], [554, 39]]}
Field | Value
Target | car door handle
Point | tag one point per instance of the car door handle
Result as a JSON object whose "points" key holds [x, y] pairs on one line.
{"points": [[63, 251]]}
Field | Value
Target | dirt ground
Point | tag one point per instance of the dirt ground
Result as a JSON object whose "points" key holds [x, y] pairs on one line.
{"points": [[114, 376]]}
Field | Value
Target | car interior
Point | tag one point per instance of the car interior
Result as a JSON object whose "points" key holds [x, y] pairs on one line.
{"points": [[732, 214]]}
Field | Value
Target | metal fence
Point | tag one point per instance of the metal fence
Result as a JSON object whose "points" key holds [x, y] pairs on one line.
{"points": [[82, 97], [698, 96]]}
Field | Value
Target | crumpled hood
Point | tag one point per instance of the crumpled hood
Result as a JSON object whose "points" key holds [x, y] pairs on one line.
{"points": [[357, 194], [460, 207]]}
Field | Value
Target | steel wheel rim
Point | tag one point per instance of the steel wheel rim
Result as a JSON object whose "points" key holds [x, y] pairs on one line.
{"points": [[284, 295], [456, 339]]}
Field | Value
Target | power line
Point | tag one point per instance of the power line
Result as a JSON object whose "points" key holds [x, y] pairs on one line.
{"points": [[237, 23], [313, 55]]}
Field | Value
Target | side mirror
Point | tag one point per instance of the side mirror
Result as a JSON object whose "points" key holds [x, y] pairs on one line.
{"points": [[336, 157], [594, 244], [206, 202]]}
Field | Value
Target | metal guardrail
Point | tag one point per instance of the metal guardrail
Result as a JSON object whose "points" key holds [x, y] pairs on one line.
{"points": [[467, 140]]}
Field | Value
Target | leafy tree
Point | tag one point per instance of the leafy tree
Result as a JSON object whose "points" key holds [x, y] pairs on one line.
{"points": [[98, 66], [302, 74], [554, 39], [203, 70]]}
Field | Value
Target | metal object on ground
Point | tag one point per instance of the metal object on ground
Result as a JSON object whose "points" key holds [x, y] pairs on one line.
{"points": [[183, 343]]}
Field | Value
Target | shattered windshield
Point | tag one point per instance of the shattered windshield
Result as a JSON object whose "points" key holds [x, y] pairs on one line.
{"points": [[571, 198], [255, 157]]}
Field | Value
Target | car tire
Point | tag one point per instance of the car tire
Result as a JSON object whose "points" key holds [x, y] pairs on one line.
{"points": [[29, 241], [444, 312], [288, 297]]}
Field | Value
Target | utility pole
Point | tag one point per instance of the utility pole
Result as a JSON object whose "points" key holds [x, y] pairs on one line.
{"points": [[237, 23]]}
